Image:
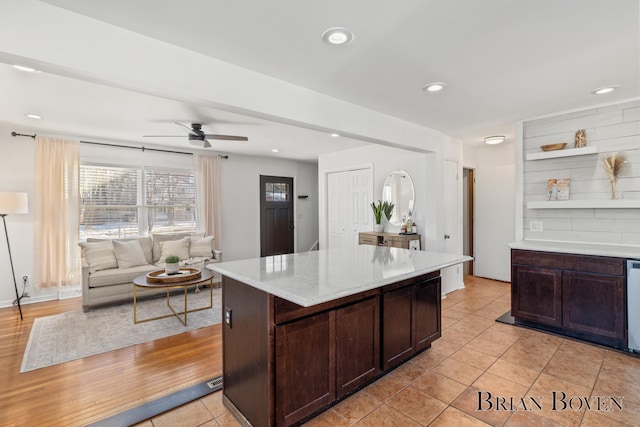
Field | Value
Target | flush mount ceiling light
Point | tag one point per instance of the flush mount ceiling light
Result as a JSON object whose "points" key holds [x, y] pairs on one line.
{"points": [[493, 140], [335, 135], [25, 68], [604, 89], [434, 87], [275, 150], [337, 36], [33, 116]]}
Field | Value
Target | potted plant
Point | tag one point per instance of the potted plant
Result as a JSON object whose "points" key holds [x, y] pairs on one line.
{"points": [[172, 264], [378, 210]]}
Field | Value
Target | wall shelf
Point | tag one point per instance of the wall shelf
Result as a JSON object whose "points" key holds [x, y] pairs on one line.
{"points": [[570, 152], [584, 204]]}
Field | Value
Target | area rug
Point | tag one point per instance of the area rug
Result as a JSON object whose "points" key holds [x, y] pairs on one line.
{"points": [[76, 334]]}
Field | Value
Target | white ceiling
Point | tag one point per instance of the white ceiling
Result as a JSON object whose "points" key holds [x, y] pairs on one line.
{"points": [[502, 60]]}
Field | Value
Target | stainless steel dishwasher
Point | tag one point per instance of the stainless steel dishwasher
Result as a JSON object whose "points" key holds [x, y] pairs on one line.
{"points": [[633, 303]]}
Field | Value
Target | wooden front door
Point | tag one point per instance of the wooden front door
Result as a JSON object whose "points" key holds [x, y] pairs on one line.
{"points": [[276, 215]]}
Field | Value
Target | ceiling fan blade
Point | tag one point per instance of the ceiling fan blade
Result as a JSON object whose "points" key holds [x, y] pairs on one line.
{"points": [[186, 127], [206, 144], [163, 136], [226, 137]]}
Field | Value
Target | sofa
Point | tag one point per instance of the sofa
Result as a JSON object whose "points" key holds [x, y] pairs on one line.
{"points": [[109, 266]]}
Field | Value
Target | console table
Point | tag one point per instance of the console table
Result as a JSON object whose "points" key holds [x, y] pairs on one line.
{"points": [[393, 240]]}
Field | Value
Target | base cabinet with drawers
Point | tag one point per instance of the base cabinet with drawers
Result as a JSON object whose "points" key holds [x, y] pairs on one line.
{"points": [[284, 363], [581, 296]]}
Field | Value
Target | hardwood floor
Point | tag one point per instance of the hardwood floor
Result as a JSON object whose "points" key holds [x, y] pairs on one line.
{"points": [[90, 389]]}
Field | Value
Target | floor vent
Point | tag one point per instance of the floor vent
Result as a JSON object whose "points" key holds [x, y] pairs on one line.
{"points": [[215, 383]]}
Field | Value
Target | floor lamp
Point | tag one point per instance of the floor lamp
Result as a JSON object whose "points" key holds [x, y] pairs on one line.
{"points": [[13, 203]]}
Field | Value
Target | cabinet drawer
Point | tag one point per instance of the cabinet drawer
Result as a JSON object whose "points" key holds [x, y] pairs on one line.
{"points": [[571, 262], [367, 240]]}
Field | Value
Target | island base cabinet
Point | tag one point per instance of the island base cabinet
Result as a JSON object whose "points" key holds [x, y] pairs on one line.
{"points": [[411, 320], [305, 367], [357, 345], [284, 363]]}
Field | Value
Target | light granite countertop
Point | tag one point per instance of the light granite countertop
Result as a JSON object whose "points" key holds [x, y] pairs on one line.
{"points": [[618, 251], [310, 278]]}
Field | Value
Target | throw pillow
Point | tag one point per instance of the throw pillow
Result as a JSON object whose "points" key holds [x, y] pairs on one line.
{"points": [[201, 247], [159, 238], [175, 247], [99, 255], [129, 254]]}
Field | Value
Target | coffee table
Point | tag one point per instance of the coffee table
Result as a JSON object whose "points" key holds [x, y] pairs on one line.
{"points": [[142, 282]]}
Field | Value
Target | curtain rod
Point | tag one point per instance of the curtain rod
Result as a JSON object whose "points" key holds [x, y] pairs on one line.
{"points": [[143, 148]]}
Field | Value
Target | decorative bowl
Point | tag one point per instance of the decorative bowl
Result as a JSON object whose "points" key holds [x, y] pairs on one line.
{"points": [[553, 147]]}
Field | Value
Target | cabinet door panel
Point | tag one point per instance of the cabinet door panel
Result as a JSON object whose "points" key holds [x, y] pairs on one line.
{"points": [[426, 311], [305, 367], [594, 304], [397, 334], [536, 294], [357, 344]]}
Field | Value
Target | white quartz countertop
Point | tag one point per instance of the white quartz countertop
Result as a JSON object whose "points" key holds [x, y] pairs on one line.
{"points": [[310, 278], [618, 251]]}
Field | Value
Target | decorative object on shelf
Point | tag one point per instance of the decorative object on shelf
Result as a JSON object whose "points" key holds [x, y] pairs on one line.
{"points": [[554, 147], [172, 264], [614, 163], [387, 207], [580, 139], [558, 189]]}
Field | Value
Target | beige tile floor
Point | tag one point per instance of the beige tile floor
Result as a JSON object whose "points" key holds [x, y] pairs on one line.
{"points": [[474, 357]]}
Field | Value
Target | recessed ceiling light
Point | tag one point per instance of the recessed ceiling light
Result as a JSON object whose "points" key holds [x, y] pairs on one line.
{"points": [[605, 89], [492, 140], [335, 135], [275, 150], [33, 116], [337, 36], [434, 87], [25, 68]]}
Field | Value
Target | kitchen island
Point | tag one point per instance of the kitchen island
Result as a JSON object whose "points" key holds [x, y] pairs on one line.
{"points": [[303, 331]]}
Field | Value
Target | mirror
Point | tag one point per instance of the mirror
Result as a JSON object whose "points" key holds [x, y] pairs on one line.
{"points": [[398, 189]]}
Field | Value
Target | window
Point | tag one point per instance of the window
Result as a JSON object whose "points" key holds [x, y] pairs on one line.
{"points": [[118, 202]]}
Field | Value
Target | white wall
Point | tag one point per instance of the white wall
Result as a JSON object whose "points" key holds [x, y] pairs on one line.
{"points": [[494, 222], [17, 174], [240, 180], [383, 160], [240, 202], [611, 128]]}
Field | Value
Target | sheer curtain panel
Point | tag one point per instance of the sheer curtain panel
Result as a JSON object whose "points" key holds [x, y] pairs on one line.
{"points": [[208, 196], [56, 212]]}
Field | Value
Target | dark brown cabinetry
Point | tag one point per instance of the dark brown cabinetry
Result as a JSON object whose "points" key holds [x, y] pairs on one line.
{"points": [[411, 319], [577, 295], [283, 363]]}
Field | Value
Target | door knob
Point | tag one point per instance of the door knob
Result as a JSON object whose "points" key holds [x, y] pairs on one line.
{"points": [[446, 236]]}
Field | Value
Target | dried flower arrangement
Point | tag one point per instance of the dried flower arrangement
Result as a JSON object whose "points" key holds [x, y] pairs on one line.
{"points": [[614, 163]]}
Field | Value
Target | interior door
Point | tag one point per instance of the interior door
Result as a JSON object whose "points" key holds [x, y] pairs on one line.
{"points": [[451, 276], [276, 215]]}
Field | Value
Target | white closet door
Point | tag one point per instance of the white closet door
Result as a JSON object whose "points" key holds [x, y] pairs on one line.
{"points": [[451, 276], [349, 195]]}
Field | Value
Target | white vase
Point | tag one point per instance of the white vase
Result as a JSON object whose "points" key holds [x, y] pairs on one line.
{"points": [[378, 228], [172, 268]]}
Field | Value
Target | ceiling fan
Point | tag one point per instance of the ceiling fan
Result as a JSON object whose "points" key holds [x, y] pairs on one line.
{"points": [[197, 134]]}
